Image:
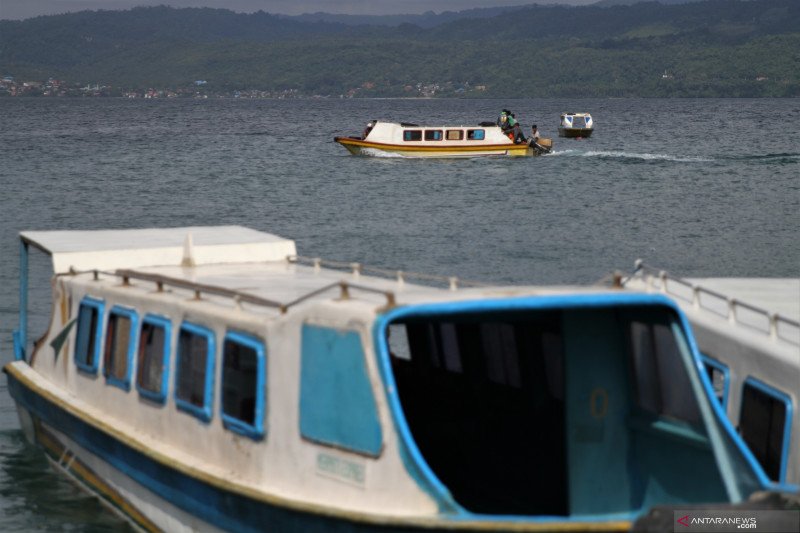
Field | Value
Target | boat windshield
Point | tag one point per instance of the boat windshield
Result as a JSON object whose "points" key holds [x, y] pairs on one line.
{"points": [[576, 411]]}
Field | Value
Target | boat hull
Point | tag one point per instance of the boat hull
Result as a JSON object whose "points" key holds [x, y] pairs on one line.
{"points": [[150, 491], [361, 147], [575, 133]]}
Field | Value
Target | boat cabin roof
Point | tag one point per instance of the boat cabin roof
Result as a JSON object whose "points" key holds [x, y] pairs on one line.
{"points": [[776, 295], [132, 248]]}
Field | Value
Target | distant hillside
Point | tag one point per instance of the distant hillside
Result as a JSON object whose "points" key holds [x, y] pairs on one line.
{"points": [[424, 20], [712, 48]]}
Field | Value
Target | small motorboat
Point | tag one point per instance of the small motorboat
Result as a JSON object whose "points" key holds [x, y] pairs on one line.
{"points": [[412, 140], [576, 125]]}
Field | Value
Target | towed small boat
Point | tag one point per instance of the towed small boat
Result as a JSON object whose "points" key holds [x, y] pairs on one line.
{"points": [[412, 140], [575, 125], [208, 378]]}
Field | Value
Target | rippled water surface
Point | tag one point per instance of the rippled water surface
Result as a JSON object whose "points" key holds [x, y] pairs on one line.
{"points": [[697, 187]]}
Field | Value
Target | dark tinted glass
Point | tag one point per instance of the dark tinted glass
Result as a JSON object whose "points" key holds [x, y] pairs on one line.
{"points": [[239, 378], [87, 326], [761, 426], [191, 379]]}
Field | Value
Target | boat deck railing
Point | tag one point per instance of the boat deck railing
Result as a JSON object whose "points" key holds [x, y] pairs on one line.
{"points": [[735, 311], [401, 276], [239, 297], [345, 287]]}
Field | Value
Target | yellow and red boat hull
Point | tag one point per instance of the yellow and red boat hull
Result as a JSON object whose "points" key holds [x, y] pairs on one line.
{"points": [[357, 146]]}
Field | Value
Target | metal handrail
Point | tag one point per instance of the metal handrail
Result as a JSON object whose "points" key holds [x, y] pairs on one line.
{"points": [[732, 304], [238, 296], [357, 269], [198, 288]]}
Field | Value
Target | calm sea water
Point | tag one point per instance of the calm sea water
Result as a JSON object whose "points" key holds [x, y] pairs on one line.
{"points": [[697, 187]]}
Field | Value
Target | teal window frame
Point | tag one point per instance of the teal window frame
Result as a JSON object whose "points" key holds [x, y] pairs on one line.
{"points": [[204, 412], [98, 306], [256, 430], [133, 335], [158, 321]]}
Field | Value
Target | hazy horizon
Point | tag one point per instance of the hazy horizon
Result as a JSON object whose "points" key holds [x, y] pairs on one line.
{"points": [[23, 9]]}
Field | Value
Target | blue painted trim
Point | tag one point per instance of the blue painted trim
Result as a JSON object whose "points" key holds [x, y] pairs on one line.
{"points": [[124, 384], [726, 375], [20, 336], [166, 325], [205, 412], [19, 351], [781, 396], [256, 430], [99, 306], [415, 463], [337, 400]]}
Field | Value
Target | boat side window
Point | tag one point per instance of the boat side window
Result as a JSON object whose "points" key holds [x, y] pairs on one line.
{"points": [[433, 135], [87, 343], [152, 367], [337, 406], [662, 382], [194, 370], [765, 424], [476, 135], [243, 384], [120, 346], [412, 135], [719, 375], [455, 135]]}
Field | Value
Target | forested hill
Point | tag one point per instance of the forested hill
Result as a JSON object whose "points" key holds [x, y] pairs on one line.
{"points": [[709, 48]]}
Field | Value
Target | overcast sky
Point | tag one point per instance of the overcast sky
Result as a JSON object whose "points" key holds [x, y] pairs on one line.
{"points": [[22, 9]]}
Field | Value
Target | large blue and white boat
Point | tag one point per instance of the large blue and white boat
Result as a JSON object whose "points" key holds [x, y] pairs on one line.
{"points": [[208, 378]]}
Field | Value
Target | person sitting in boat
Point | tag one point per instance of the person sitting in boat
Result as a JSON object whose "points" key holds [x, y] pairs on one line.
{"points": [[534, 135], [515, 130]]}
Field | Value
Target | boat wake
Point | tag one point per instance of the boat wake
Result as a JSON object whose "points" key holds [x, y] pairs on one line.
{"points": [[783, 158], [633, 157], [380, 153]]}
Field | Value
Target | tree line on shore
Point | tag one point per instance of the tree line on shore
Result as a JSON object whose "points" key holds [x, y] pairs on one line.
{"points": [[716, 48]]}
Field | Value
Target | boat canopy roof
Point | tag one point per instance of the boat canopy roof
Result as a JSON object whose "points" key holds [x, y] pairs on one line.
{"points": [[131, 248]]}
